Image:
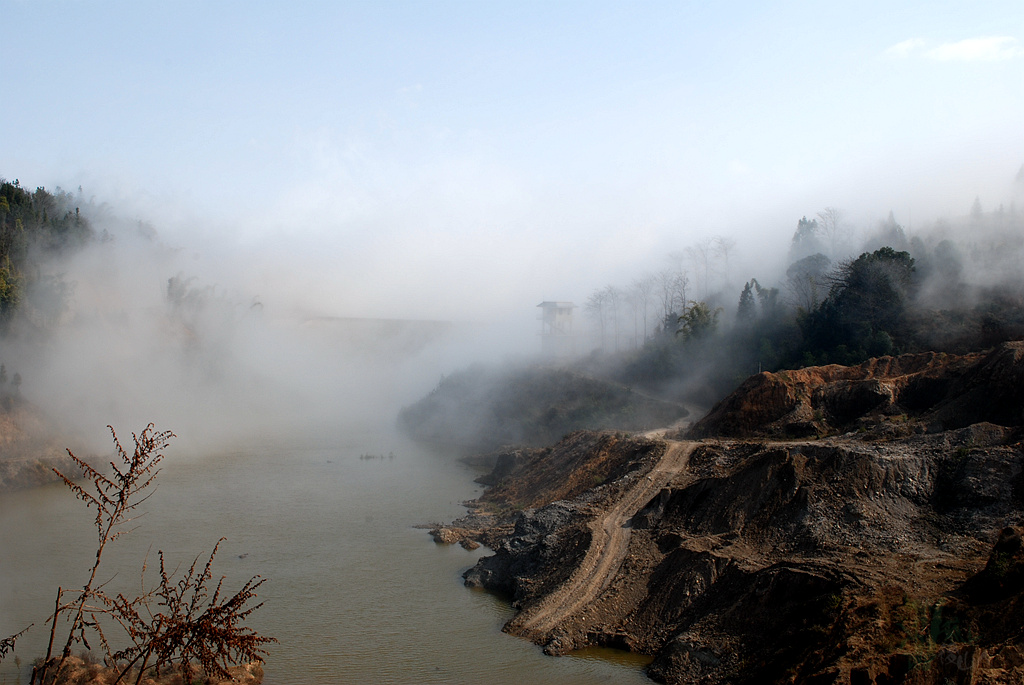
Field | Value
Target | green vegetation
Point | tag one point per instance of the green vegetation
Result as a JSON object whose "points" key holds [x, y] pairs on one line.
{"points": [[699, 321], [864, 311], [34, 225], [897, 296]]}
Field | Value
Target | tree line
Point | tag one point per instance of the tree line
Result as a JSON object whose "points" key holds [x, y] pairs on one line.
{"points": [[34, 225], [954, 287], [627, 317]]}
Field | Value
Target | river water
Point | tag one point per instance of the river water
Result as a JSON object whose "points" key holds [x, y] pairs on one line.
{"points": [[355, 592]]}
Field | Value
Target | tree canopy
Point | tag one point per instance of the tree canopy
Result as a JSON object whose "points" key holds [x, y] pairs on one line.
{"points": [[863, 314], [51, 223]]}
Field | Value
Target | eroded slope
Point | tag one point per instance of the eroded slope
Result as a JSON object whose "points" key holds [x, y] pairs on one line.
{"points": [[945, 391], [867, 557], [484, 408]]}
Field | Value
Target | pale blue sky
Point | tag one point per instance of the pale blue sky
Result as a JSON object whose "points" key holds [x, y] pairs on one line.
{"points": [[501, 152]]}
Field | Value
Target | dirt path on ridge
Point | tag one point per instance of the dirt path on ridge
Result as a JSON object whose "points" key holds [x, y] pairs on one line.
{"points": [[608, 546]]}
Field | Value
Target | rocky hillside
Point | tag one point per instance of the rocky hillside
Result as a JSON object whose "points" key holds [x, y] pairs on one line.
{"points": [[887, 551], [943, 391], [483, 409]]}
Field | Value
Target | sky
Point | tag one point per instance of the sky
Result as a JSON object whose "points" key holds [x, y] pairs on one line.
{"points": [[440, 160]]}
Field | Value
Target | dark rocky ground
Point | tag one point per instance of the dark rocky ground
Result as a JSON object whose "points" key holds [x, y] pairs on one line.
{"points": [[883, 547]]}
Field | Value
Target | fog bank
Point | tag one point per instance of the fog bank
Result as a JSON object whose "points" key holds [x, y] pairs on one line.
{"points": [[131, 330]]}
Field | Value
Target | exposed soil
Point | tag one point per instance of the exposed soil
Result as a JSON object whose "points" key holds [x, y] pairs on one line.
{"points": [[944, 391], [609, 543], [890, 553]]}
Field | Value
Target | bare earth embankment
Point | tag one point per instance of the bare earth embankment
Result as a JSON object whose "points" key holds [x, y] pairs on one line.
{"points": [[882, 545], [28, 450], [609, 543]]}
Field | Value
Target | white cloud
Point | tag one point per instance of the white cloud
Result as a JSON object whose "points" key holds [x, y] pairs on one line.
{"points": [[904, 48], [987, 49]]}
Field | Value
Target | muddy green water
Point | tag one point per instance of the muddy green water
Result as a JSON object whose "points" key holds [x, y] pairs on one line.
{"points": [[356, 593]]}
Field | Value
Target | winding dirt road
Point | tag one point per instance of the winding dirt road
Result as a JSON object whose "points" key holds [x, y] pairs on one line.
{"points": [[608, 547]]}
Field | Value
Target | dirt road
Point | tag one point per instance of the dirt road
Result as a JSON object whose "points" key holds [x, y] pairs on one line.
{"points": [[609, 544]]}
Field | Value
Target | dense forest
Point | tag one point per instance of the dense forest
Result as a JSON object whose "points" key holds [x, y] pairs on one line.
{"points": [[33, 226]]}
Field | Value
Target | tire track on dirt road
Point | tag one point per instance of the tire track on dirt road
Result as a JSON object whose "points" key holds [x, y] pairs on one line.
{"points": [[609, 544]]}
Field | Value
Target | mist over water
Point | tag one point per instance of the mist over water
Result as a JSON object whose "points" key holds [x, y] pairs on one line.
{"points": [[130, 330], [355, 593], [287, 447]]}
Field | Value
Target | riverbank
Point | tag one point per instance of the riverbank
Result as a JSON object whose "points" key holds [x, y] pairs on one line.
{"points": [[83, 670], [28, 450]]}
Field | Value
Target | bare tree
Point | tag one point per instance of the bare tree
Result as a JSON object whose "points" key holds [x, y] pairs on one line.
{"points": [[614, 301], [830, 224], [665, 290], [596, 308], [723, 248], [701, 254], [192, 626], [115, 500], [671, 288], [189, 625], [632, 304], [7, 644], [680, 286], [677, 258], [642, 292]]}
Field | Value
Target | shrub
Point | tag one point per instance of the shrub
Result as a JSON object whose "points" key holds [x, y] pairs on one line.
{"points": [[182, 623]]}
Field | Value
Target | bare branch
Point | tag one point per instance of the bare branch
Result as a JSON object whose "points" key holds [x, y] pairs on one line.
{"points": [[7, 644]]}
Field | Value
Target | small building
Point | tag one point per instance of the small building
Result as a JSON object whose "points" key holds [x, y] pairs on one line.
{"points": [[556, 335]]}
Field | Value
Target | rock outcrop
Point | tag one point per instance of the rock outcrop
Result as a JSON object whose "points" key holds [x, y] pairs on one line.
{"points": [[944, 391]]}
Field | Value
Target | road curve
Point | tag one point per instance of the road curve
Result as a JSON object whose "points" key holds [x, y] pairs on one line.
{"points": [[608, 547]]}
